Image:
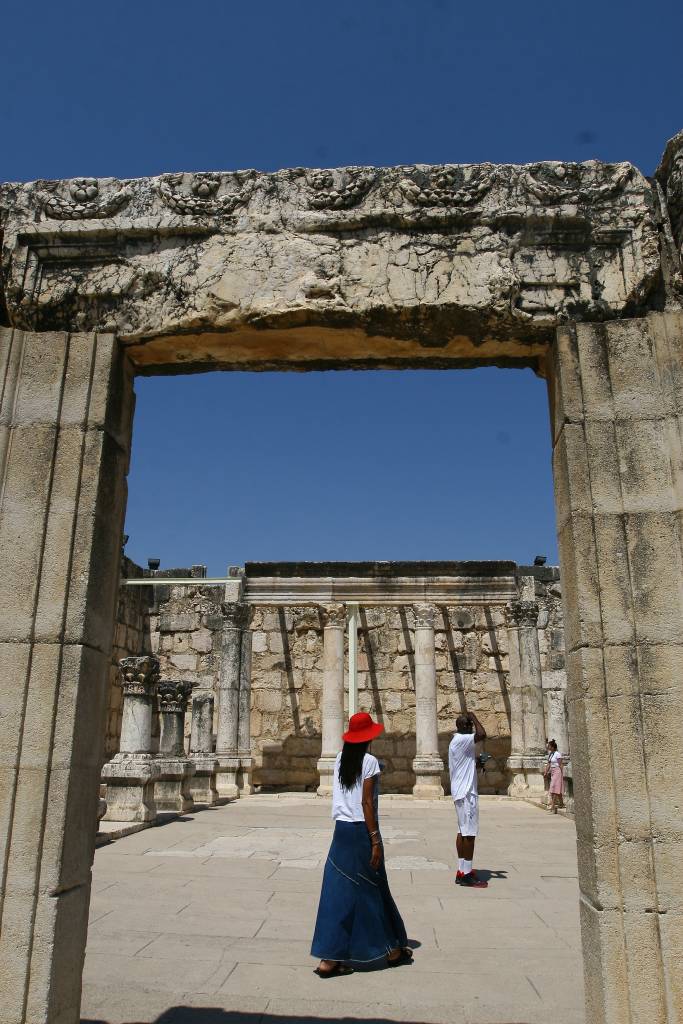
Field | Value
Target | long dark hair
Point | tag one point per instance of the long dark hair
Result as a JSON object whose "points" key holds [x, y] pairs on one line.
{"points": [[351, 764]]}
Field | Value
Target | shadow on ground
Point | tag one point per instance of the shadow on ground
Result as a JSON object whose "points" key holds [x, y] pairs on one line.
{"points": [[213, 1015]]}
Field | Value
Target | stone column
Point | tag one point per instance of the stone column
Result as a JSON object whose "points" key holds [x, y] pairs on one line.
{"points": [[131, 774], [66, 406], [616, 396], [428, 764], [244, 778], [334, 628], [228, 700], [203, 783], [526, 681], [555, 704], [172, 788]]}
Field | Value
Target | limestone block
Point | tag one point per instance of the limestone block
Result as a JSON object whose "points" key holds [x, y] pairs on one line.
{"points": [[178, 622], [184, 662], [259, 642], [201, 641]]}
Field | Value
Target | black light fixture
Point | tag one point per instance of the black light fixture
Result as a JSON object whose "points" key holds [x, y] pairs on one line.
{"points": [[153, 564], [540, 560]]}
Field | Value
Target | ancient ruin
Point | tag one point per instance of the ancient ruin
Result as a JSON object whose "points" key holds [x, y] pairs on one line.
{"points": [[571, 269]]}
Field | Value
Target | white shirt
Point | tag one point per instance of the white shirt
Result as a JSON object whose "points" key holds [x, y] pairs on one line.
{"points": [[555, 759], [347, 804], [462, 765]]}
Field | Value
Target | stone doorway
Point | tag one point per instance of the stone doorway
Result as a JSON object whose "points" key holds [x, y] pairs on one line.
{"points": [[569, 268]]}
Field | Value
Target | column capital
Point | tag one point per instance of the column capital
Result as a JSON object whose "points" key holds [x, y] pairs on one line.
{"points": [[424, 615], [521, 613], [235, 614], [174, 695], [139, 676], [202, 697], [334, 615]]}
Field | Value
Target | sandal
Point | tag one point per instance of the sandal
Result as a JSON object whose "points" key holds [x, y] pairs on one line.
{"points": [[339, 970], [404, 957]]}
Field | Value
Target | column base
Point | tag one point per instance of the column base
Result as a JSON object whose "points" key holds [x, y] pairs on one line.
{"points": [[130, 782], [526, 771], [203, 783], [325, 767], [172, 788], [428, 771], [227, 768], [245, 776]]}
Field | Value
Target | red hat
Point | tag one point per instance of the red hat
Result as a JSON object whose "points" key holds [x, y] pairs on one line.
{"points": [[362, 729]]}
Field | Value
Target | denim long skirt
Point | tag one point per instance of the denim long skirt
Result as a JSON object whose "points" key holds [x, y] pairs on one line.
{"points": [[358, 920]]}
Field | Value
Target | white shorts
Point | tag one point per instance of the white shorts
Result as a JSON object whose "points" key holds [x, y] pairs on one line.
{"points": [[467, 810]]}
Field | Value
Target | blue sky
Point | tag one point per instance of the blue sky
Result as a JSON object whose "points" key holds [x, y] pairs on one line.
{"points": [[341, 465]]}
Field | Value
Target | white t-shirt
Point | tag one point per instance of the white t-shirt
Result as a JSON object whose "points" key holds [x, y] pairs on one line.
{"points": [[555, 759], [462, 765], [347, 804]]}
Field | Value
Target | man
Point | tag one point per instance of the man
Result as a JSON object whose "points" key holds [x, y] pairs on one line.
{"points": [[462, 766]]}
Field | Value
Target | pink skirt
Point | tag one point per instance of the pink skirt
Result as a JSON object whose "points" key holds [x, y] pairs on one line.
{"points": [[556, 780]]}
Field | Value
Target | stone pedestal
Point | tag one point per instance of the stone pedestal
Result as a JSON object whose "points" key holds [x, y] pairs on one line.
{"points": [[527, 723], [172, 789], [131, 774], [227, 756], [203, 783], [334, 627], [427, 765]]}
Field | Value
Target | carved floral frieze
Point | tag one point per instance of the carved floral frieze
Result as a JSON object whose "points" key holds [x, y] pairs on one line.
{"points": [[448, 185], [330, 194], [201, 195], [81, 199]]}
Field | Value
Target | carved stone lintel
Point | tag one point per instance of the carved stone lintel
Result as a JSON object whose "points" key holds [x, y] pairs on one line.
{"points": [[85, 203], [139, 675], [334, 615], [201, 196], [449, 185], [424, 616], [329, 194], [174, 695], [521, 613]]}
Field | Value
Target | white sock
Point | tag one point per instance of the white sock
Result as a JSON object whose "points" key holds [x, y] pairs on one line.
{"points": [[460, 864], [467, 866]]}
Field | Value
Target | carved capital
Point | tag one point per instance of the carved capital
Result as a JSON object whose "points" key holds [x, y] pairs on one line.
{"points": [[521, 613], [174, 695], [236, 615], [424, 616], [202, 698], [334, 615], [139, 676]]}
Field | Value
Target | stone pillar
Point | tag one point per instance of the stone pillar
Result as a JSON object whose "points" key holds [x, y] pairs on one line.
{"points": [[334, 627], [428, 764], [527, 724], [228, 701], [616, 396], [66, 407], [244, 778], [555, 705], [172, 788], [131, 774], [203, 784]]}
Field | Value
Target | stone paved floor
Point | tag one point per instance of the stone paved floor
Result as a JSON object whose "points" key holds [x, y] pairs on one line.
{"points": [[208, 920]]}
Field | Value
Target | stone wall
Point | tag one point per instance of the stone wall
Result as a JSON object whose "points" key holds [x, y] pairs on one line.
{"points": [[471, 652]]}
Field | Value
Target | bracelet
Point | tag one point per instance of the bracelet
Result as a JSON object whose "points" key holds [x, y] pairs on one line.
{"points": [[375, 833]]}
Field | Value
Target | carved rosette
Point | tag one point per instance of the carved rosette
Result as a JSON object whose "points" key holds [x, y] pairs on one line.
{"points": [[236, 615], [424, 616], [85, 201], [139, 676], [353, 186], [448, 185], [521, 613], [334, 615], [202, 195], [174, 695], [592, 181]]}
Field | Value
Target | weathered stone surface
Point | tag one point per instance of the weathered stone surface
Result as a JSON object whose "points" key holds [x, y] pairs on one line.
{"points": [[371, 266]]}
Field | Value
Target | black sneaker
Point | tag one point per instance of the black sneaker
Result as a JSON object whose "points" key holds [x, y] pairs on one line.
{"points": [[472, 882]]}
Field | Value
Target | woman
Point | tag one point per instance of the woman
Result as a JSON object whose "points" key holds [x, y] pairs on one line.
{"points": [[554, 771], [357, 920]]}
